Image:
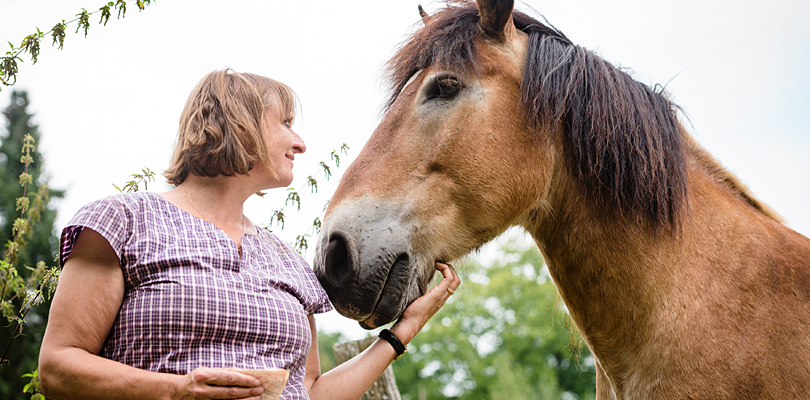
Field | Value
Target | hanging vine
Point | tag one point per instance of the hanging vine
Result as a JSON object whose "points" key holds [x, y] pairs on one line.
{"points": [[30, 45]]}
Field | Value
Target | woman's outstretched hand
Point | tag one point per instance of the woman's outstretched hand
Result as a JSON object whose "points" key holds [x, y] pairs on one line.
{"points": [[417, 314], [218, 383]]}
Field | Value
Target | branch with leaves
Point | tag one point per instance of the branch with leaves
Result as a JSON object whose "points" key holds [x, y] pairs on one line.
{"points": [[294, 199], [43, 279], [31, 43], [135, 180]]}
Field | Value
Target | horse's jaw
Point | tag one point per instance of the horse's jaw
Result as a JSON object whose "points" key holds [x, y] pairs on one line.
{"points": [[366, 262]]}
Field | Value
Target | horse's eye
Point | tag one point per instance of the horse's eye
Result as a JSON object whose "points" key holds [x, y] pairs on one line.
{"points": [[445, 87]]}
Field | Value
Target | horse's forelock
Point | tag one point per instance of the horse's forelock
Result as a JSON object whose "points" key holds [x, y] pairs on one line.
{"points": [[446, 42]]}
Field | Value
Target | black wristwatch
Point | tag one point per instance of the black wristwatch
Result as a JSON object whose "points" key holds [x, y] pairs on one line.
{"points": [[392, 339]]}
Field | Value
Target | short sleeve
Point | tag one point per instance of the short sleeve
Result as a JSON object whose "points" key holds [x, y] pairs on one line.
{"points": [[320, 300], [109, 217], [310, 292], [322, 304]]}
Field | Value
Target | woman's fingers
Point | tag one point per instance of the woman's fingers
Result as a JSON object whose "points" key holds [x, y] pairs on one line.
{"points": [[234, 393], [450, 280], [219, 383], [420, 311], [223, 377]]}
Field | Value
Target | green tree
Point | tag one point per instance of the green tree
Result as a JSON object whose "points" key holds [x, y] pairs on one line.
{"points": [[325, 343], [41, 245], [504, 335]]}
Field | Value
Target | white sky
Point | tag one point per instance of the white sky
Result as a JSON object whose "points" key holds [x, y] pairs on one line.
{"points": [[109, 104]]}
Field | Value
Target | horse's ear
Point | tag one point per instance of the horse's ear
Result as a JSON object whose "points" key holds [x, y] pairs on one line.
{"points": [[495, 15], [426, 18]]}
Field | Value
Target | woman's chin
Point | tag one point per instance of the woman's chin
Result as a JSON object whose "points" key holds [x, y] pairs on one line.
{"points": [[286, 179], [282, 182]]}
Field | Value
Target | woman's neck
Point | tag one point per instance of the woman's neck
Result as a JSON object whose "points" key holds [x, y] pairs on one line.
{"points": [[218, 200]]}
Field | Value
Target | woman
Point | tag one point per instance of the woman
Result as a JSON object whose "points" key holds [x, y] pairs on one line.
{"points": [[161, 293]]}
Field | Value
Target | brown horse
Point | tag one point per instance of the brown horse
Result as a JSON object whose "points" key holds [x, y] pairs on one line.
{"points": [[683, 284]]}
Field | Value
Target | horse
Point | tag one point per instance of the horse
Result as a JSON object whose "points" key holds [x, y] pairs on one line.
{"points": [[682, 283]]}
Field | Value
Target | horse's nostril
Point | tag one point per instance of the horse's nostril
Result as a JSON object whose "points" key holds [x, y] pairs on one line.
{"points": [[339, 262]]}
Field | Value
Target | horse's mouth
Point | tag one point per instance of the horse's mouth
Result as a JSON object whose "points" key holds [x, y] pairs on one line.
{"points": [[366, 264], [393, 296]]}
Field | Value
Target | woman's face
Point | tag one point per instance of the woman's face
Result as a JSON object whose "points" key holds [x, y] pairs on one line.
{"points": [[282, 146]]}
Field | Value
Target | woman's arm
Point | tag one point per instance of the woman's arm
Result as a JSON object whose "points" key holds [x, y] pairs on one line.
{"points": [[87, 300], [352, 378]]}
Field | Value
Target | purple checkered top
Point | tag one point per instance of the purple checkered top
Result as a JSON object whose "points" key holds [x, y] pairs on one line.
{"points": [[191, 301]]}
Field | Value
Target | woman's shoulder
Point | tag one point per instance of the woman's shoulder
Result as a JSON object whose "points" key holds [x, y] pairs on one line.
{"points": [[132, 200], [113, 217], [119, 207]]}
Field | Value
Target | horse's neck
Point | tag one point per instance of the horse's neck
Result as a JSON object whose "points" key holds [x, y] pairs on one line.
{"points": [[629, 290], [610, 276]]}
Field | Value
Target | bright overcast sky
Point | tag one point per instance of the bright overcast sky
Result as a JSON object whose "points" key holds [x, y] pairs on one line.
{"points": [[109, 104]]}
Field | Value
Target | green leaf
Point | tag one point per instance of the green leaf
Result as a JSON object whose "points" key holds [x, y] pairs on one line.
{"points": [[294, 198], [326, 170], [278, 216], [121, 6], [313, 184], [336, 158], [31, 45], [83, 21], [8, 310], [58, 34], [301, 244], [8, 69], [105, 14], [19, 227], [26, 178], [22, 204]]}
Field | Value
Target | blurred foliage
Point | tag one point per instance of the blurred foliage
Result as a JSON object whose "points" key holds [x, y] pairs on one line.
{"points": [[325, 343], [26, 230], [503, 335]]}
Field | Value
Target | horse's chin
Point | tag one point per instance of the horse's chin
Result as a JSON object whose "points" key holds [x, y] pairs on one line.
{"points": [[400, 290], [380, 318]]}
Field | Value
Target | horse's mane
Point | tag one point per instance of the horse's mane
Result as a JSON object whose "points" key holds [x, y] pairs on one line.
{"points": [[621, 137]]}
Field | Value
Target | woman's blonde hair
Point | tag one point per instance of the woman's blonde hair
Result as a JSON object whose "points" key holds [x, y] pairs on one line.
{"points": [[222, 123]]}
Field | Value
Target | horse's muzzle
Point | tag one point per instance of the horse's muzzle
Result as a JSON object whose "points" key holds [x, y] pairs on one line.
{"points": [[365, 267]]}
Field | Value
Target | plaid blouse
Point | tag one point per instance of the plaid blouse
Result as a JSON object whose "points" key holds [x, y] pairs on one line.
{"points": [[191, 301]]}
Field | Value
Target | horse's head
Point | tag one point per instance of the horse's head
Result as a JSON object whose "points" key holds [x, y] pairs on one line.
{"points": [[492, 116], [422, 189]]}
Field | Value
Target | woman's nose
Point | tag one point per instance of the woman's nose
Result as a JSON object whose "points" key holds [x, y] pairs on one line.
{"points": [[298, 144]]}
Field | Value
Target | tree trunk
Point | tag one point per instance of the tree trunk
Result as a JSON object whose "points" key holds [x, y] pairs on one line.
{"points": [[385, 388]]}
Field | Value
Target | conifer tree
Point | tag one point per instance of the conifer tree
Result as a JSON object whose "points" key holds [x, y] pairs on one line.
{"points": [[40, 246]]}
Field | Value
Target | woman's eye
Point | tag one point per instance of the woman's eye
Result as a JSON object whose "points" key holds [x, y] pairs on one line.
{"points": [[288, 123], [445, 87]]}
